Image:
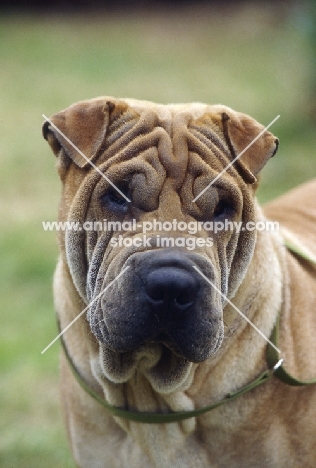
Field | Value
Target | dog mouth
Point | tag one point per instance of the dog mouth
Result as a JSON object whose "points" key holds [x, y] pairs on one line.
{"points": [[166, 371], [188, 339], [163, 339], [160, 360], [159, 319]]}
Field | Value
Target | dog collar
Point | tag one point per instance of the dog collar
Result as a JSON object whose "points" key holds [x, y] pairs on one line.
{"points": [[162, 418], [275, 368], [272, 354]]}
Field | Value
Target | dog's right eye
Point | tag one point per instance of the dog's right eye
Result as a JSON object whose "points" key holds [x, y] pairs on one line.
{"points": [[115, 200]]}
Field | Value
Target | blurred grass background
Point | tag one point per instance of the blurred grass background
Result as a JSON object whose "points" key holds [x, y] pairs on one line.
{"points": [[256, 58]]}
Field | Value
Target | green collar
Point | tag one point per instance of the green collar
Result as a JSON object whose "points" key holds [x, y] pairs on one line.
{"points": [[275, 368], [159, 418], [272, 355]]}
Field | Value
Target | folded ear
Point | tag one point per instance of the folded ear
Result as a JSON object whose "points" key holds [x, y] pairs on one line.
{"points": [[81, 127], [240, 130]]}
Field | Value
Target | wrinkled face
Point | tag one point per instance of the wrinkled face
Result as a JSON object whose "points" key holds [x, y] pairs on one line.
{"points": [[139, 262]]}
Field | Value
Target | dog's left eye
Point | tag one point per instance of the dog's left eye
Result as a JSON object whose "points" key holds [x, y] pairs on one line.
{"points": [[114, 200], [223, 209]]}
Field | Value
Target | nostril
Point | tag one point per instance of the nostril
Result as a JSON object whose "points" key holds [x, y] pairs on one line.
{"points": [[184, 299], [155, 292], [172, 288]]}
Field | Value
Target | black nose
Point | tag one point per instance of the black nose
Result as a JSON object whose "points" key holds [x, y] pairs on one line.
{"points": [[171, 289]]}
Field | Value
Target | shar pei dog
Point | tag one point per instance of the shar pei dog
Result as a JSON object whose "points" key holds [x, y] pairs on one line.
{"points": [[188, 332]]}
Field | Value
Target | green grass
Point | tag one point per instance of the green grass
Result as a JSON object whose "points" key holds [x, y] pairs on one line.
{"points": [[250, 59]]}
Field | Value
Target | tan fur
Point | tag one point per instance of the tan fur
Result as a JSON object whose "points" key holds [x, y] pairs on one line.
{"points": [[272, 426]]}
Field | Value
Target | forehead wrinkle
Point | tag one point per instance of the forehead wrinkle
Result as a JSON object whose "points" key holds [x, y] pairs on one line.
{"points": [[175, 127], [209, 150], [210, 137]]}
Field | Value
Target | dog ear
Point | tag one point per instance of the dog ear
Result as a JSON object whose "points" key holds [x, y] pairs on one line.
{"points": [[83, 126], [240, 130]]}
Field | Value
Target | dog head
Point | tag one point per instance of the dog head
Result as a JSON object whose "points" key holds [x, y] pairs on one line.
{"points": [[147, 185]]}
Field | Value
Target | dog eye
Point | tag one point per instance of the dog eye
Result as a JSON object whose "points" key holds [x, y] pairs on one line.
{"points": [[223, 208], [114, 200]]}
